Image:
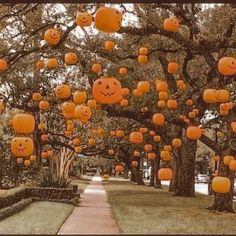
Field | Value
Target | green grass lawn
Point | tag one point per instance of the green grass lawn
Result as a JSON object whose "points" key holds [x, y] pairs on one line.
{"points": [[145, 210]]}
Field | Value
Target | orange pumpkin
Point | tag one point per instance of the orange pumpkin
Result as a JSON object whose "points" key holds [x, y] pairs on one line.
{"points": [[165, 174], [148, 147], [23, 123], [119, 168], [189, 102], [78, 149], [19, 160], [76, 141], [161, 104], [52, 36], [79, 97], [151, 155], [91, 103], [52, 63], [43, 105], [123, 71], [222, 95], [41, 125], [70, 58], [125, 92], [232, 165], [209, 96], [84, 19], [143, 86], [27, 162], [22, 146], [142, 59], [109, 45], [143, 51], [165, 155], [120, 133], [39, 64], [44, 154], [83, 113], [227, 66], [163, 95], [157, 138], [152, 132], [37, 97], [172, 104], [137, 93], [171, 24], [176, 142], [68, 107], [195, 110], [108, 19], [49, 153], [3, 64], [179, 83], [91, 141], [107, 90], [143, 130], [167, 148], [221, 184], [193, 132], [161, 86], [124, 102], [96, 68], [44, 137], [111, 152], [158, 119], [233, 126], [229, 105], [227, 160], [112, 133], [191, 114], [32, 158], [172, 67], [62, 91]]}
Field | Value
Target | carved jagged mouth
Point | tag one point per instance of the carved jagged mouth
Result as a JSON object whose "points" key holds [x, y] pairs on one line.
{"points": [[59, 92], [107, 94], [84, 21], [20, 148]]}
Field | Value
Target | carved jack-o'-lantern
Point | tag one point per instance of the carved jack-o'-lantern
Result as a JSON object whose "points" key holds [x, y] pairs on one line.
{"points": [[136, 137], [22, 146], [62, 91], [84, 19], [23, 123], [227, 65], [108, 19], [83, 113], [52, 36], [107, 90], [68, 107]]}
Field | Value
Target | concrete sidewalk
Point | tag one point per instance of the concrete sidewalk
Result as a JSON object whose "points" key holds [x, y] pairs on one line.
{"points": [[93, 216]]}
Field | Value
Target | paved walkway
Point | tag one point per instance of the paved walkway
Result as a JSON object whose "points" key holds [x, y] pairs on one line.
{"points": [[93, 216]]}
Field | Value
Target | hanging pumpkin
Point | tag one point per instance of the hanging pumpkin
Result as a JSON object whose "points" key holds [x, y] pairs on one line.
{"points": [[151, 155], [41, 126], [193, 132], [164, 174], [91, 141], [157, 138], [163, 95], [227, 160], [91, 103], [82, 113], [136, 137], [112, 133], [209, 96], [79, 97], [70, 58], [120, 133], [227, 66], [39, 64], [22, 146], [62, 91], [37, 97], [23, 123], [27, 162], [167, 148], [3, 64], [161, 104], [44, 154], [43, 105], [124, 92], [123, 71], [107, 90], [161, 86], [109, 45], [142, 59], [152, 132], [222, 95], [165, 155], [124, 102], [137, 93], [44, 137], [143, 130], [171, 24], [143, 51], [111, 152], [52, 36], [78, 149], [76, 141], [148, 147], [119, 168], [158, 119], [52, 63], [108, 19], [69, 115], [84, 19], [232, 165], [19, 160], [189, 102], [233, 126], [49, 153], [172, 67], [221, 184], [176, 142], [172, 104], [179, 83], [191, 115], [229, 105], [96, 68], [32, 158], [143, 86], [68, 107]]}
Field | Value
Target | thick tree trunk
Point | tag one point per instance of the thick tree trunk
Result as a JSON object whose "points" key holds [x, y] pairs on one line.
{"points": [[37, 139], [186, 168], [126, 172], [157, 167], [174, 180], [137, 176]]}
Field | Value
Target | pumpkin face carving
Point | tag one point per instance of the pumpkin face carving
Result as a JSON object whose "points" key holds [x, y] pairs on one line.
{"points": [[136, 137], [227, 66], [22, 146], [107, 90], [108, 19], [84, 19], [52, 36], [83, 113], [68, 107], [62, 91]]}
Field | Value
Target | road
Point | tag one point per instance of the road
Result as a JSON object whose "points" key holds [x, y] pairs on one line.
{"points": [[199, 188]]}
